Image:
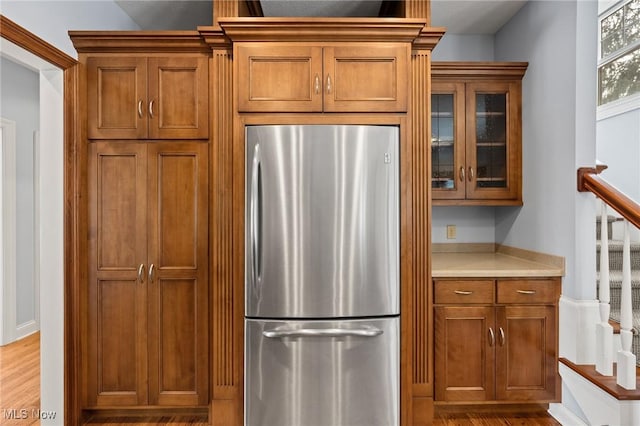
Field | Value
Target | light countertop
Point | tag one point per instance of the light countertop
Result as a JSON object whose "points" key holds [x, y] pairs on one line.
{"points": [[490, 260]]}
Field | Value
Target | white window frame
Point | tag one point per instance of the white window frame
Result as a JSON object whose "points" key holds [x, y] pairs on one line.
{"points": [[627, 103]]}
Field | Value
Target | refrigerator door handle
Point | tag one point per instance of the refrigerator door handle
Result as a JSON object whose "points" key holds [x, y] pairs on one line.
{"points": [[324, 332], [254, 219]]}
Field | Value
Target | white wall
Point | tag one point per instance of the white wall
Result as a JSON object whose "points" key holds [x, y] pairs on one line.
{"points": [[558, 39], [464, 47], [473, 224], [50, 20], [19, 101], [618, 146]]}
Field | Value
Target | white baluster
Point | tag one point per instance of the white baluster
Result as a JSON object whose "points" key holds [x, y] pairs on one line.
{"points": [[626, 360], [604, 331]]}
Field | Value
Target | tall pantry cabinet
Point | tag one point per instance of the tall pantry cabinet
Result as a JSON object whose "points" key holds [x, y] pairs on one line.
{"points": [[145, 309]]}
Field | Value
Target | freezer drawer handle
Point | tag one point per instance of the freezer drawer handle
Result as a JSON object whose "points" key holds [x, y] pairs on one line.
{"points": [[325, 332]]}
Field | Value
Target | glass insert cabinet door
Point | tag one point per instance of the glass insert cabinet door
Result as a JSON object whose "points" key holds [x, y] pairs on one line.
{"points": [[448, 170], [476, 142], [492, 141]]}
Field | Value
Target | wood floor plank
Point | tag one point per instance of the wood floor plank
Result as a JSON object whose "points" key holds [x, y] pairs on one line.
{"points": [[494, 419], [20, 382]]}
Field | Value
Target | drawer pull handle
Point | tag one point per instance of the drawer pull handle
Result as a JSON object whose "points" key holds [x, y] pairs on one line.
{"points": [[463, 292], [501, 335], [526, 291], [462, 174], [492, 337], [317, 85]]}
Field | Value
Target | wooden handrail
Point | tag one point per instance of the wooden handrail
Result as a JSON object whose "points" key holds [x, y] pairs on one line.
{"points": [[589, 181]]}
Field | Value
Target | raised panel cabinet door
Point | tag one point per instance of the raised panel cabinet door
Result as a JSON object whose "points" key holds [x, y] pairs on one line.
{"points": [[178, 102], [117, 291], [494, 141], [177, 276], [448, 168], [277, 77], [527, 353], [366, 78], [116, 97], [464, 353]]}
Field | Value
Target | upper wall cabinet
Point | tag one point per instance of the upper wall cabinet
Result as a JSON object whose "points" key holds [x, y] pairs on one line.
{"points": [[345, 77], [138, 97], [476, 133]]}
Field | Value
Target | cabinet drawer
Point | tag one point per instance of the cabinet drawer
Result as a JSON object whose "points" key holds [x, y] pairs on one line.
{"points": [[463, 291], [528, 291]]}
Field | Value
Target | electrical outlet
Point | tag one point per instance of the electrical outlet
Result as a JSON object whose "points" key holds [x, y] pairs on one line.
{"points": [[451, 232]]}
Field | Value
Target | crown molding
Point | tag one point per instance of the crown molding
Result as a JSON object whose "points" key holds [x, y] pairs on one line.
{"points": [[324, 30], [143, 41], [478, 70]]}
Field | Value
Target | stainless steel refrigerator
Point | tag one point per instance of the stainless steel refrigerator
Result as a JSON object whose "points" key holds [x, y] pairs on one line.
{"points": [[322, 275]]}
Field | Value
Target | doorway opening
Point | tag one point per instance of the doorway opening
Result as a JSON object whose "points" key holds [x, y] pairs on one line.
{"points": [[32, 314]]}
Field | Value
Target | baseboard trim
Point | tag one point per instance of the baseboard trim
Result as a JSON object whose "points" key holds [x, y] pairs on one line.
{"points": [[26, 329], [152, 411], [564, 416]]}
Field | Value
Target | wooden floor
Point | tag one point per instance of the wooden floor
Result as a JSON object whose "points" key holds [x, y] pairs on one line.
{"points": [[448, 419], [490, 419], [20, 390], [20, 382]]}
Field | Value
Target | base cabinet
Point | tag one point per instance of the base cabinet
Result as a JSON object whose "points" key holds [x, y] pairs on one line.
{"points": [[147, 304], [496, 340]]}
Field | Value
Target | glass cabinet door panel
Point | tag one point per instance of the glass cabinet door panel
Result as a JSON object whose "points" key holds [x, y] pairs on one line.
{"points": [[442, 141], [491, 118], [491, 168], [492, 140], [447, 140]]}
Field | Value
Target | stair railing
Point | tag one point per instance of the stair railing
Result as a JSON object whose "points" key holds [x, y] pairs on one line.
{"points": [[589, 181]]}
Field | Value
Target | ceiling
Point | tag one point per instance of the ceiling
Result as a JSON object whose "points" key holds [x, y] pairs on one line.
{"points": [[459, 16]]}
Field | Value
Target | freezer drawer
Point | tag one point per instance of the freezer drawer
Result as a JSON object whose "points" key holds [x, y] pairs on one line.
{"points": [[322, 373], [322, 225]]}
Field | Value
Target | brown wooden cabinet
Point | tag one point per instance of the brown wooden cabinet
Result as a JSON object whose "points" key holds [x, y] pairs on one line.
{"points": [[139, 97], [147, 328], [347, 77], [476, 133], [496, 340]]}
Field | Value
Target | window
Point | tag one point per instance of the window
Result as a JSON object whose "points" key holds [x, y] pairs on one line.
{"points": [[619, 64]]}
